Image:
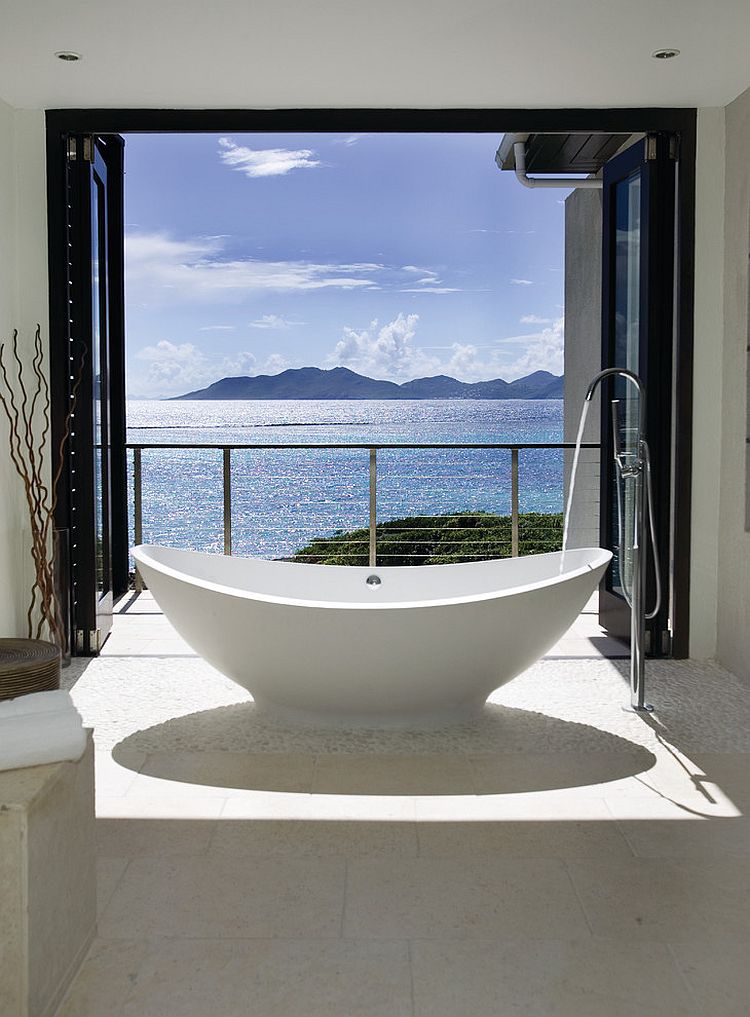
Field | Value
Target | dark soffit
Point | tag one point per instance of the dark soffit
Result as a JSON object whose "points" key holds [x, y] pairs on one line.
{"points": [[562, 153]]}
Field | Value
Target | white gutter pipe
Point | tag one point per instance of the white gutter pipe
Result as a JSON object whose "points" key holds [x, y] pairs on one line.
{"points": [[519, 152]]}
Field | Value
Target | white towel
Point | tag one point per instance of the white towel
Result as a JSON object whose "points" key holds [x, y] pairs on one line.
{"points": [[35, 738], [36, 702]]}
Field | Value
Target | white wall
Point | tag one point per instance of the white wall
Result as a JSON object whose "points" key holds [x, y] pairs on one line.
{"points": [[23, 303], [733, 617], [707, 385]]}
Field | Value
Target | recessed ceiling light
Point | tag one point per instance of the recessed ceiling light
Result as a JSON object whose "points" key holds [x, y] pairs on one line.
{"points": [[68, 55], [665, 54]]}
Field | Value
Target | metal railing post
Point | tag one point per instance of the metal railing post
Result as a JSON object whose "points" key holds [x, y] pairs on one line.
{"points": [[514, 502], [373, 507], [137, 511], [227, 500]]}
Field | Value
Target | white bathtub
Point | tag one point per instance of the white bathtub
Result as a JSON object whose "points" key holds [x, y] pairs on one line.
{"points": [[316, 643]]}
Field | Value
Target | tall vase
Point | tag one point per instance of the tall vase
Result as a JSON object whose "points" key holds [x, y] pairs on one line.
{"points": [[61, 573]]}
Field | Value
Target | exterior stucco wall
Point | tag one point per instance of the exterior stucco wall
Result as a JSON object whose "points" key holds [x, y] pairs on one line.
{"points": [[733, 615], [23, 303], [583, 270]]}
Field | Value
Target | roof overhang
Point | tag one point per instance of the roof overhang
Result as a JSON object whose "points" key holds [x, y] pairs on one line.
{"points": [[561, 153]]}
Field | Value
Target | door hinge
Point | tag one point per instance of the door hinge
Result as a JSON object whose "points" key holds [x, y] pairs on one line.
{"points": [[94, 641], [666, 642], [86, 149], [652, 147]]}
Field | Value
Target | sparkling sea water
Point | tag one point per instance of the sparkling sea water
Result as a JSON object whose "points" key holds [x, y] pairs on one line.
{"points": [[281, 498]]}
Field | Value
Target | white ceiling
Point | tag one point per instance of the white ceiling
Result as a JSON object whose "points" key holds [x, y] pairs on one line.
{"points": [[381, 53]]}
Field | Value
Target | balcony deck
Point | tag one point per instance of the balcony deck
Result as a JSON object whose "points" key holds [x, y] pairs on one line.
{"points": [[558, 857]]}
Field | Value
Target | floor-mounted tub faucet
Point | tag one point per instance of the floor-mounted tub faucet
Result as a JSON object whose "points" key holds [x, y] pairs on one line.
{"points": [[635, 466]]}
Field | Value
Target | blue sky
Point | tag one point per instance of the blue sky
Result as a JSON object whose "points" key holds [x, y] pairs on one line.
{"points": [[397, 255]]}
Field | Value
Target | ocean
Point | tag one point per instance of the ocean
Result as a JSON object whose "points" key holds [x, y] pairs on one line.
{"points": [[281, 498]]}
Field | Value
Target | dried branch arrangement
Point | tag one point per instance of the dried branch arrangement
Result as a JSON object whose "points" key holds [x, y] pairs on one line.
{"points": [[26, 403]]}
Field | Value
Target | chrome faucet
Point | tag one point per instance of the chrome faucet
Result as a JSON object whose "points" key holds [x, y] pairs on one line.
{"points": [[635, 465]]}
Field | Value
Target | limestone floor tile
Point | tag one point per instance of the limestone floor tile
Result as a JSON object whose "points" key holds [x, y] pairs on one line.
{"points": [[460, 898], [718, 976], [644, 803], [520, 839], [393, 775], [147, 785], [268, 771], [311, 838], [730, 771], [568, 805], [273, 979], [664, 899], [105, 979], [702, 838], [547, 978], [161, 805], [143, 837], [517, 772], [681, 779], [383, 808], [227, 897], [111, 777], [108, 874]]}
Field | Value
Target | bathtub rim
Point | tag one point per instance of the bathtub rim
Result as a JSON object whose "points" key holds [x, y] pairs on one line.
{"points": [[599, 557]]}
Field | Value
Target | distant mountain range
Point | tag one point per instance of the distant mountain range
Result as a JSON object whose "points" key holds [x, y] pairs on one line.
{"points": [[341, 383]]}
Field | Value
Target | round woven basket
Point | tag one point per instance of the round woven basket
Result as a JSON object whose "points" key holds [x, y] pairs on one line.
{"points": [[28, 665]]}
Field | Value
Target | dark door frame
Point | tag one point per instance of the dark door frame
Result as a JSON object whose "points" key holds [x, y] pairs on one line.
{"points": [[88, 171], [654, 159], [61, 123]]}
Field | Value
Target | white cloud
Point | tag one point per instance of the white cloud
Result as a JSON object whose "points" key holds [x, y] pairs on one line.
{"points": [[543, 352], [390, 352], [265, 162], [382, 352], [350, 139], [170, 369], [534, 319], [160, 270], [506, 232], [429, 281], [433, 289], [274, 321], [522, 282], [275, 364], [216, 328]]}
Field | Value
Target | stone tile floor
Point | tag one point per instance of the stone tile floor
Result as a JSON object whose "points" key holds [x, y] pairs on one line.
{"points": [[557, 857]]}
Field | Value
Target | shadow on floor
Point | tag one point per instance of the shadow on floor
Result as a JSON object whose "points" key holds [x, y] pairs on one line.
{"points": [[505, 751]]}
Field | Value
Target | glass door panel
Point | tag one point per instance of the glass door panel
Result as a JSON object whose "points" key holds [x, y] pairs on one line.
{"points": [[100, 401], [637, 293], [627, 297]]}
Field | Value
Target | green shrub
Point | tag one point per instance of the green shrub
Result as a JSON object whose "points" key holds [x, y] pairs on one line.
{"points": [[435, 540]]}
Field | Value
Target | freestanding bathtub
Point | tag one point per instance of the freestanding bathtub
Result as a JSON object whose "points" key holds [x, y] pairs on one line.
{"points": [[320, 644]]}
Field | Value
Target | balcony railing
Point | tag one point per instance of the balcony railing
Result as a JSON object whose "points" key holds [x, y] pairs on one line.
{"points": [[226, 451]]}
